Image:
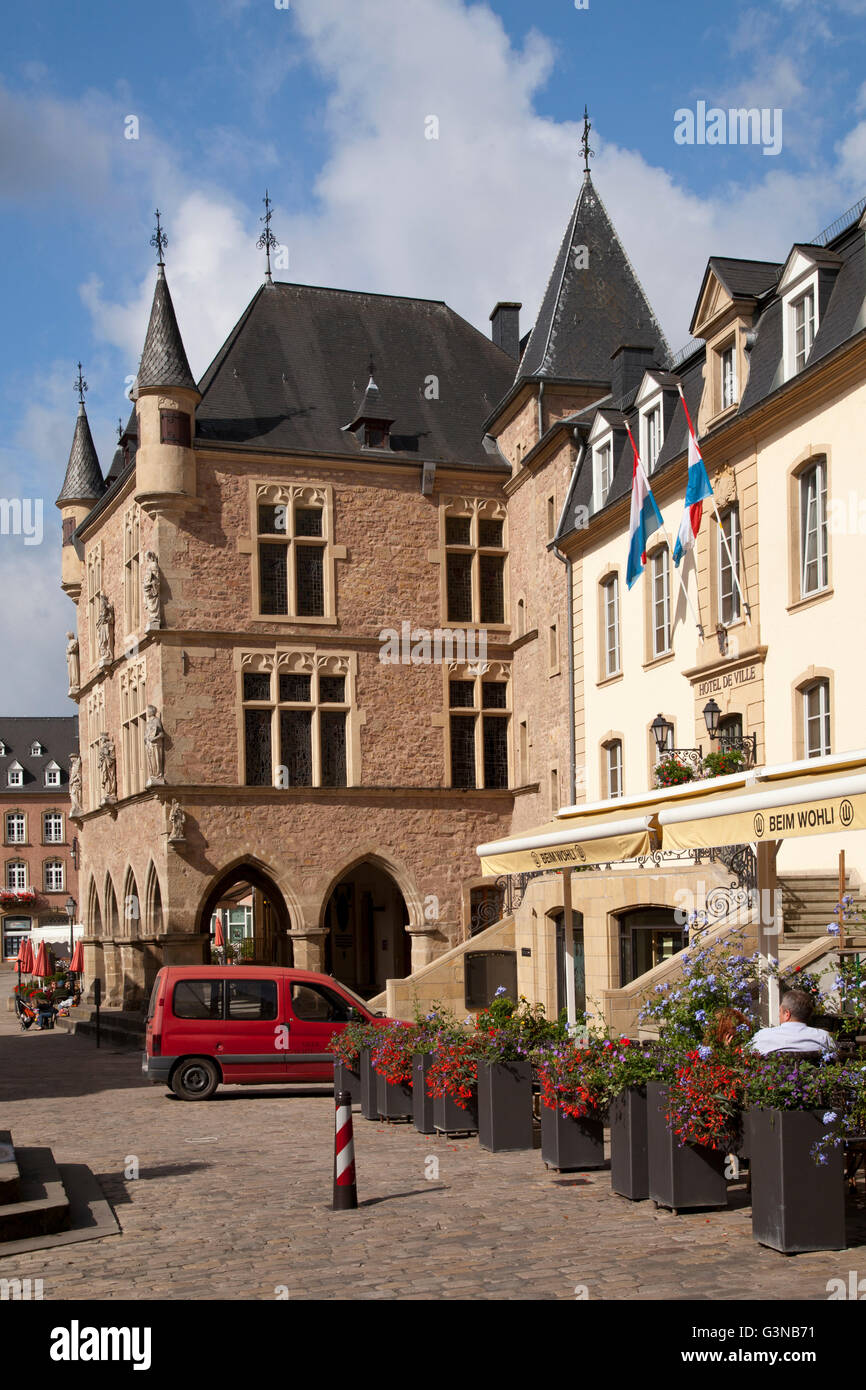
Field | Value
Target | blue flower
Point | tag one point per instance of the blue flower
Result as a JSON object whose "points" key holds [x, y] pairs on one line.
{"points": [[832, 929], [829, 1117], [704, 1052], [501, 990], [822, 1158], [700, 1015]]}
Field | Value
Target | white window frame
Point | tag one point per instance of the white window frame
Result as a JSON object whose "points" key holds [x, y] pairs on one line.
{"points": [[808, 327], [728, 392], [731, 527], [611, 626], [16, 874], [15, 776], [660, 560], [52, 839], [813, 506], [652, 435], [799, 281], [52, 775], [16, 839], [36, 749], [50, 871], [821, 717], [602, 477], [613, 769]]}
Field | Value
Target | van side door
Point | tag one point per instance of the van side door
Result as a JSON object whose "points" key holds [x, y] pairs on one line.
{"points": [[317, 1012], [251, 1045]]}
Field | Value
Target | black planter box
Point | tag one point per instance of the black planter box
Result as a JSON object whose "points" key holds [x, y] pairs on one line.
{"points": [[570, 1144], [422, 1104], [628, 1144], [369, 1088], [681, 1176], [347, 1080], [505, 1105], [393, 1099], [451, 1118], [797, 1204]]}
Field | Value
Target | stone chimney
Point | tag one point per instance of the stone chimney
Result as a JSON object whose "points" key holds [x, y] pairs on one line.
{"points": [[505, 330]]}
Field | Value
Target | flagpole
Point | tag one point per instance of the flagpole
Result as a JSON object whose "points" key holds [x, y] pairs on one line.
{"points": [[746, 609], [681, 572]]}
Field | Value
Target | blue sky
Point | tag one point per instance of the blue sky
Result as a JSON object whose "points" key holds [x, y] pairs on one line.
{"points": [[325, 103]]}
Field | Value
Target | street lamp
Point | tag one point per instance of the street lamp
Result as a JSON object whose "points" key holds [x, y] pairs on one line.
{"points": [[70, 913], [661, 731], [712, 714]]}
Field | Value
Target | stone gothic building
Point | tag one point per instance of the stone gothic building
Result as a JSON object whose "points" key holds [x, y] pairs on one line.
{"points": [[338, 612]]}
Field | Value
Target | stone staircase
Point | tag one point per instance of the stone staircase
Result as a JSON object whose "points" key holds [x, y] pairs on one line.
{"points": [[808, 900], [119, 1027], [44, 1203]]}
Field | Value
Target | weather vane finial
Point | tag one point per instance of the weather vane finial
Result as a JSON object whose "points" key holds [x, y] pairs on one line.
{"points": [[267, 241], [159, 241], [119, 429], [584, 141], [80, 385]]}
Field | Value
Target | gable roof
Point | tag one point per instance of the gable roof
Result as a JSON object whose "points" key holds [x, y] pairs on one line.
{"points": [[83, 481], [163, 358], [589, 310], [58, 735], [293, 369]]}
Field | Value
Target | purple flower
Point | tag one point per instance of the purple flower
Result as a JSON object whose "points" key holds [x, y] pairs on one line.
{"points": [[832, 929], [704, 1052], [829, 1117]]}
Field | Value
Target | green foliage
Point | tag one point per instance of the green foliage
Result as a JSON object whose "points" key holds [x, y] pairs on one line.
{"points": [[723, 763]]}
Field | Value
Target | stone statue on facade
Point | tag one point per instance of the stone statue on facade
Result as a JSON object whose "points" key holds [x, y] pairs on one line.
{"points": [[75, 808], [177, 823], [105, 630], [151, 582], [154, 747], [72, 663], [107, 763]]}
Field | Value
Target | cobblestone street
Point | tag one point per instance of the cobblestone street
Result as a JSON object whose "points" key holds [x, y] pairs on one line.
{"points": [[232, 1201]]}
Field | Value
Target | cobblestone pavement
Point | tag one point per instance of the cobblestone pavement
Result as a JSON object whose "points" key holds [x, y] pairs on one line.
{"points": [[232, 1201]]}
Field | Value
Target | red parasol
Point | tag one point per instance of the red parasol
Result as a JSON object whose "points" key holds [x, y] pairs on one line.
{"points": [[25, 956], [42, 966], [218, 936], [76, 965]]}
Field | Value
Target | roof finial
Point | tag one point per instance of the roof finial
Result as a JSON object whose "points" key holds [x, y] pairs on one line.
{"points": [[119, 429], [159, 241], [267, 241], [372, 369], [584, 142], [80, 386]]}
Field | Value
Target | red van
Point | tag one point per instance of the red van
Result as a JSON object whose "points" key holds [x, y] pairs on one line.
{"points": [[244, 1024]]}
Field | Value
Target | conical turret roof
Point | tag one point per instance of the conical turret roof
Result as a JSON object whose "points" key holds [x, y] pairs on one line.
{"points": [[593, 303], [83, 481], [373, 406], [163, 361]]}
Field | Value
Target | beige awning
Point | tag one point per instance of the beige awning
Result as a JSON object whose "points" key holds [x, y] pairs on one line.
{"points": [[784, 808], [567, 844]]}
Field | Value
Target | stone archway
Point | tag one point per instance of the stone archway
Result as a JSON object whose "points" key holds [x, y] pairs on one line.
{"points": [[253, 913], [366, 920]]}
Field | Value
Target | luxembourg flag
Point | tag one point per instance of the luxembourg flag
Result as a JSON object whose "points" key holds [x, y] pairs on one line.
{"points": [[645, 518], [697, 488]]}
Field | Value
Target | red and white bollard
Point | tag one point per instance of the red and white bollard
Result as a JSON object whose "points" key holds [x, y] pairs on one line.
{"points": [[345, 1187]]}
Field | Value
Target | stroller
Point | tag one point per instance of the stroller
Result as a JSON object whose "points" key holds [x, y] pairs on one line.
{"points": [[26, 1014]]}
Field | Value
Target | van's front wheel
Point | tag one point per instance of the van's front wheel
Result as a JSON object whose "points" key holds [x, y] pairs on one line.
{"points": [[195, 1078]]}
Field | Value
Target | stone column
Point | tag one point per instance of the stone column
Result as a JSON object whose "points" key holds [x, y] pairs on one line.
{"points": [[132, 966], [94, 966], [308, 947], [113, 990], [422, 942]]}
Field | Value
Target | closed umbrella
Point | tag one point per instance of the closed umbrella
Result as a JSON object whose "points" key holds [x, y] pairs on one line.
{"points": [[42, 966], [218, 936], [25, 960], [76, 965]]}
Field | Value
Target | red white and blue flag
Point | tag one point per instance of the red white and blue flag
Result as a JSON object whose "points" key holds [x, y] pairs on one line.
{"points": [[697, 488], [645, 518]]}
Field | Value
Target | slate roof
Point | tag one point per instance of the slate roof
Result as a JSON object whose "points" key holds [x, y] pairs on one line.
{"points": [[83, 481], [58, 736], [373, 406], [586, 314], [744, 279], [292, 372], [163, 360]]}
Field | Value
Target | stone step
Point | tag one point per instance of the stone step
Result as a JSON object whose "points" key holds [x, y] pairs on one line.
{"points": [[43, 1206], [10, 1177], [115, 1025]]}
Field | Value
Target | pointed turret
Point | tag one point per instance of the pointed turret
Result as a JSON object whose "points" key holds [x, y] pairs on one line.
{"points": [[593, 303], [83, 485], [373, 418], [83, 481], [166, 397]]}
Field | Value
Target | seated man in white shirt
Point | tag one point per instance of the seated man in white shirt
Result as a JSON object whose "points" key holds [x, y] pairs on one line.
{"points": [[793, 1033]]}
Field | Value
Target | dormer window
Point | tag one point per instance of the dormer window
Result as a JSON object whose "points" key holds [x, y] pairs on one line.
{"points": [[652, 436], [15, 775], [602, 461], [728, 376], [3, 749], [376, 436], [52, 775], [803, 325], [36, 750]]}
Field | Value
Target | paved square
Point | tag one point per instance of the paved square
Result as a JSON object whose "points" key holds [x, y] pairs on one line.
{"points": [[232, 1201]]}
